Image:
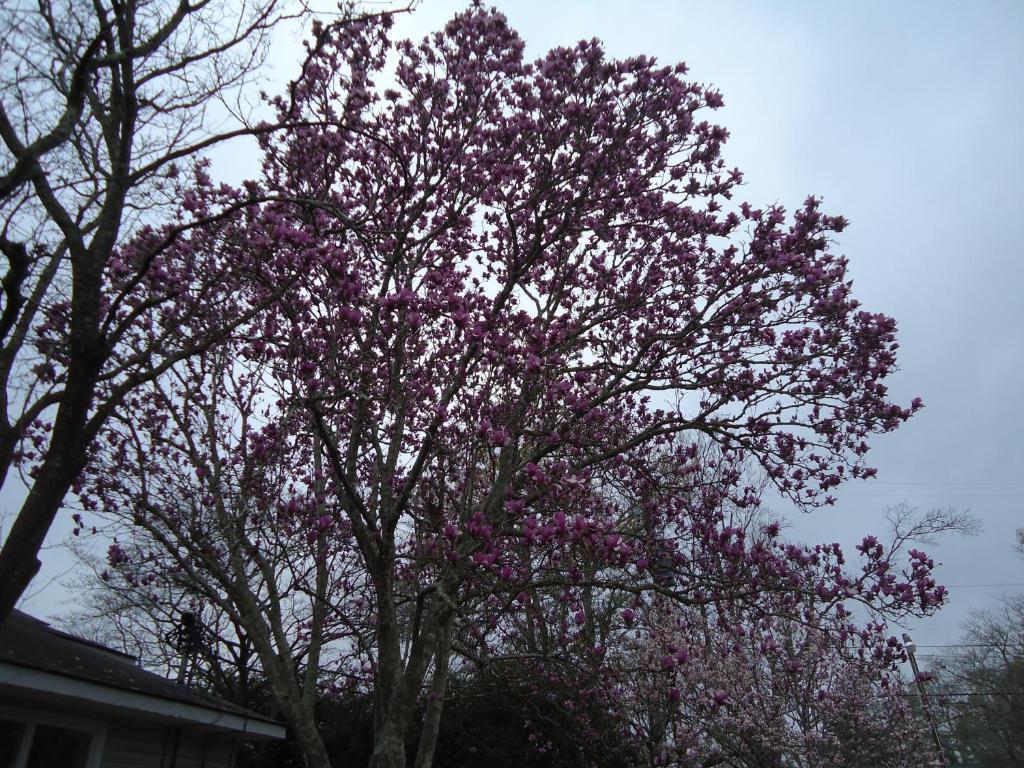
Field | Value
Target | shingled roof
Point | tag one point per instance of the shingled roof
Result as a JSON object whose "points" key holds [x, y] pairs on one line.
{"points": [[27, 642]]}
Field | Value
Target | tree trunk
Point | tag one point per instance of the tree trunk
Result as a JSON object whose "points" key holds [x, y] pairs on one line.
{"points": [[389, 743], [279, 668], [65, 455], [403, 681], [19, 560], [297, 712], [435, 702], [304, 731]]}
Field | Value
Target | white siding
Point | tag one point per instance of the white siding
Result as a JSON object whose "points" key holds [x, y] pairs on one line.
{"points": [[135, 745]]}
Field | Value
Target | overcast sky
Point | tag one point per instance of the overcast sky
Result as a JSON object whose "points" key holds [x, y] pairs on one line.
{"points": [[908, 119]]}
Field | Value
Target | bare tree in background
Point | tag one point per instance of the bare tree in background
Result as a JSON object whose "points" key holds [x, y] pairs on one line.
{"points": [[145, 621], [980, 688], [100, 102], [980, 685]]}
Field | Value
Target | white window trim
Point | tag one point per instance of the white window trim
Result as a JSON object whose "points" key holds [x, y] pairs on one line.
{"points": [[33, 718]]}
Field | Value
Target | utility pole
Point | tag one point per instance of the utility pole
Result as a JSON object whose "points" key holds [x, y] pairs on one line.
{"points": [[911, 647], [187, 638]]}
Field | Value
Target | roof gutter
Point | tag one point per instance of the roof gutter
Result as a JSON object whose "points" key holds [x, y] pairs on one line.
{"points": [[61, 685]]}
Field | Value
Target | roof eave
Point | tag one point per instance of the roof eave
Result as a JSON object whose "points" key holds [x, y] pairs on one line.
{"points": [[61, 685]]}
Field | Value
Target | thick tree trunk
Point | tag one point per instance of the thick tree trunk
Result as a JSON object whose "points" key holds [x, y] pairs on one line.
{"points": [[298, 711], [389, 744], [19, 560], [435, 702], [65, 456], [389, 721], [403, 681], [306, 735]]}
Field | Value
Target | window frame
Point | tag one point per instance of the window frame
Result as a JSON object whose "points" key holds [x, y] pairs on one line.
{"points": [[97, 729]]}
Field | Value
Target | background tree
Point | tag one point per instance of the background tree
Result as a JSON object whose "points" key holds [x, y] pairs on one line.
{"points": [[778, 690], [784, 677], [101, 104], [215, 498], [145, 619], [979, 688]]}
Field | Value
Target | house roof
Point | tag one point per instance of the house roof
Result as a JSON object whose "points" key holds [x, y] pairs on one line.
{"points": [[32, 644]]}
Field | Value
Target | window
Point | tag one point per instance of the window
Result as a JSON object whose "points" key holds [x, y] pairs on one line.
{"points": [[48, 743], [54, 747], [11, 734]]}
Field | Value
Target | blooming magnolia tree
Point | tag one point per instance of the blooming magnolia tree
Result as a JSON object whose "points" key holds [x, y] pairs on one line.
{"points": [[534, 353]]}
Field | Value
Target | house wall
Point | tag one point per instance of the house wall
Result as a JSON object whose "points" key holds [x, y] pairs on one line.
{"points": [[33, 715], [120, 742], [131, 744]]}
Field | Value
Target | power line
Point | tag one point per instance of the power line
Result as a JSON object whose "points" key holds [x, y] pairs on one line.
{"points": [[971, 645], [946, 482], [967, 494], [980, 586], [937, 694]]}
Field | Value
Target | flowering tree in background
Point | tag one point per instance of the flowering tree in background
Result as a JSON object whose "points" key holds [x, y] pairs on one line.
{"points": [[529, 359], [714, 673], [770, 689]]}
